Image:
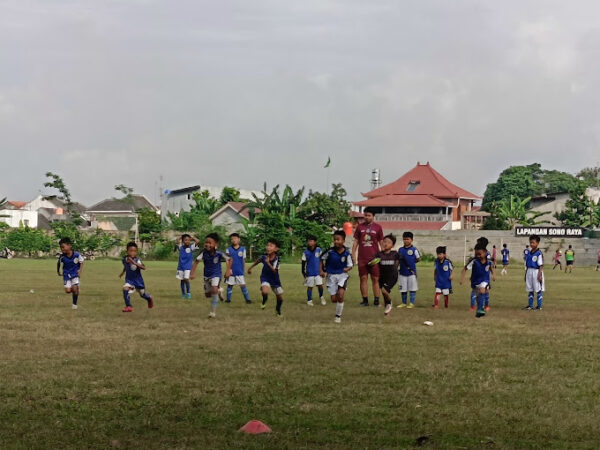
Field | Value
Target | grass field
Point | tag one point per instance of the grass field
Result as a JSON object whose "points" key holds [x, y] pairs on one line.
{"points": [[171, 378]]}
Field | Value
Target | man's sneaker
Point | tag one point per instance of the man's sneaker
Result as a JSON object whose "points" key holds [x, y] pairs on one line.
{"points": [[74, 306], [337, 319], [376, 303], [528, 308], [151, 303], [401, 305], [410, 305], [323, 301], [128, 309], [388, 309], [537, 308], [263, 306], [487, 308], [363, 303], [212, 315], [480, 313], [310, 303]]}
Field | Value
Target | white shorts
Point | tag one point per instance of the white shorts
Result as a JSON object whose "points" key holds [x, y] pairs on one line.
{"points": [[236, 280], [183, 274], [531, 282], [132, 288], [209, 283], [483, 285], [313, 281], [335, 281], [442, 291], [277, 289], [72, 282], [408, 283]]}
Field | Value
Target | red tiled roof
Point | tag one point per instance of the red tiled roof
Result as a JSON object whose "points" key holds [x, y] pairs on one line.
{"points": [[16, 204], [430, 182], [403, 200], [412, 225]]}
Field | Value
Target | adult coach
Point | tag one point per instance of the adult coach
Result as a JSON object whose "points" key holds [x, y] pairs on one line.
{"points": [[367, 239]]}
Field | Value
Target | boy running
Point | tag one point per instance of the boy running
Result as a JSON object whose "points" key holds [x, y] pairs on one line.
{"points": [[505, 259], [311, 265], [72, 263], [410, 256], [557, 261], [534, 274], [442, 274], [213, 271], [335, 265], [269, 277], [235, 268], [132, 269], [186, 245], [389, 263]]}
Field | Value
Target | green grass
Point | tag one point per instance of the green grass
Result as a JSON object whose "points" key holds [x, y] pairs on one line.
{"points": [[171, 378]]}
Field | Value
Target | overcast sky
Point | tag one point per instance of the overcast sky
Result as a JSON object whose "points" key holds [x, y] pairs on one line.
{"points": [[239, 92]]}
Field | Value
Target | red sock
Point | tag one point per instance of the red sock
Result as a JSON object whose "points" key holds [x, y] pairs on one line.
{"points": [[436, 300], [446, 298]]}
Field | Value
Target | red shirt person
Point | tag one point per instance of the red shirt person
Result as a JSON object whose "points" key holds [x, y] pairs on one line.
{"points": [[367, 238]]}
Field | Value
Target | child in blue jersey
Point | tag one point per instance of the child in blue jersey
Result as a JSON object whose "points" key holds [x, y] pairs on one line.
{"points": [[72, 263], [132, 269], [311, 269], [534, 273], [269, 277], [335, 265], [187, 245], [213, 271], [481, 268], [442, 274], [505, 258], [410, 256], [235, 268]]}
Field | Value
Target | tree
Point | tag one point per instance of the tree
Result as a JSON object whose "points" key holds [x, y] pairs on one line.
{"points": [[127, 193], [590, 175], [327, 209], [2, 206], [149, 225], [229, 194], [285, 204], [580, 210], [64, 195], [507, 213], [204, 203]]}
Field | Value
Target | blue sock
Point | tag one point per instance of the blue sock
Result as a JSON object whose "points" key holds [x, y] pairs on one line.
{"points": [[188, 286], [214, 301], [404, 297], [126, 297], [146, 297], [480, 301], [182, 285], [530, 298], [309, 294], [229, 292], [320, 291], [245, 292], [413, 297], [473, 298], [540, 299], [486, 298]]}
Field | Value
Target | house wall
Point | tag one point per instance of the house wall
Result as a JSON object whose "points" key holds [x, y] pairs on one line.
{"points": [[39, 202], [174, 203], [16, 217], [230, 220]]}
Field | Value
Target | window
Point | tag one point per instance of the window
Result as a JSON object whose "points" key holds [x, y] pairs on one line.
{"points": [[412, 185]]}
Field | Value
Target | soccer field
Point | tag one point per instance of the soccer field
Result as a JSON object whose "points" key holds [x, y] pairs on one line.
{"points": [[171, 378]]}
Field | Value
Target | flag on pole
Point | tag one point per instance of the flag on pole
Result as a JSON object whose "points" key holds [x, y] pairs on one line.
{"points": [[328, 162]]}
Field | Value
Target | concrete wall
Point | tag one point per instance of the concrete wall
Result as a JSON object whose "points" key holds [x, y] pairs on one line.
{"points": [[15, 217]]}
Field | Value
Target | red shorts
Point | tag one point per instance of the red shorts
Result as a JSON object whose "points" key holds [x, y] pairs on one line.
{"points": [[365, 269]]}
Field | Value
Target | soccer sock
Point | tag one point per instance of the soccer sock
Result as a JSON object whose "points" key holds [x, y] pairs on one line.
{"points": [[486, 298], [473, 298], [530, 298], [365, 299], [245, 293], [229, 292], [387, 301], [436, 299], [188, 286], [309, 294], [214, 302], [75, 297], [278, 307], [182, 285], [127, 297], [265, 298], [320, 291], [146, 297], [480, 301], [446, 300], [375, 299], [540, 299], [339, 308], [404, 297], [413, 297]]}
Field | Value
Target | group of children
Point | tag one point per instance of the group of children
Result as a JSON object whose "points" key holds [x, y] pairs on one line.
{"points": [[330, 267]]}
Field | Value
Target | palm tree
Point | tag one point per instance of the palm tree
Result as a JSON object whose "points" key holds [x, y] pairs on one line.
{"points": [[284, 204], [513, 211]]}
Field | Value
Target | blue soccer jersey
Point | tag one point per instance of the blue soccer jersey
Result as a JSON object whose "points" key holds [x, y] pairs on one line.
{"points": [[443, 270], [71, 265], [525, 254], [238, 257], [212, 263], [480, 272], [313, 261], [133, 274], [267, 275], [335, 262], [534, 260], [408, 263], [505, 256], [186, 256]]}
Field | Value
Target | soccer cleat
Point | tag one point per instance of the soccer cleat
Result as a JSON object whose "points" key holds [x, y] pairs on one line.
{"points": [[337, 319], [435, 306], [410, 305], [528, 308], [376, 303], [128, 309], [74, 306], [183, 296], [323, 301], [278, 315], [228, 301], [263, 306], [388, 309], [401, 305], [364, 304], [310, 303], [538, 308], [189, 295], [212, 315], [151, 303], [480, 313], [487, 308], [248, 302]]}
